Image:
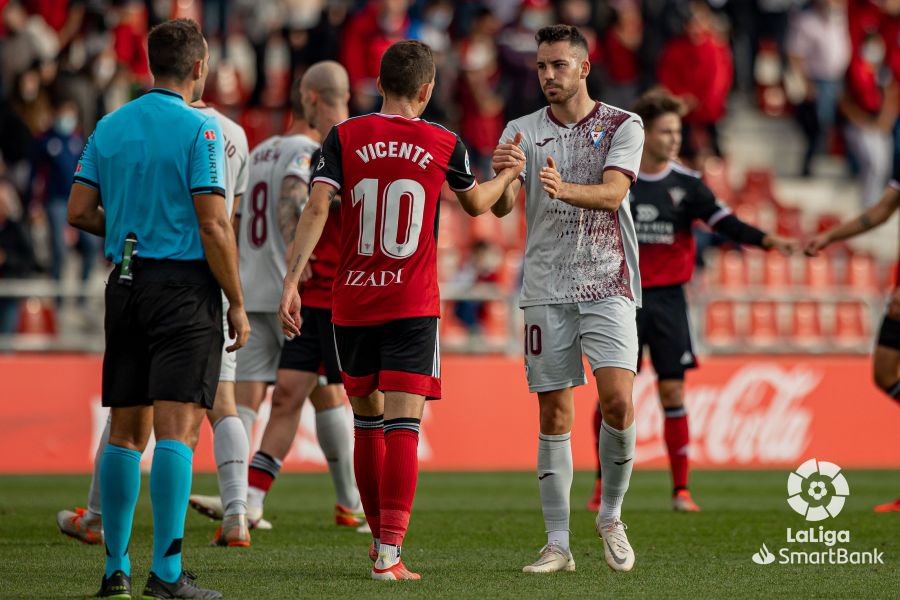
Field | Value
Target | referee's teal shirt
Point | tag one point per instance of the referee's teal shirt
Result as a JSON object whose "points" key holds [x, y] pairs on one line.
{"points": [[148, 159]]}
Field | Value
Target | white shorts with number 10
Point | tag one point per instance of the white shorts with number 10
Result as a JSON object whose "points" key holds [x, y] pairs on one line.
{"points": [[556, 336]]}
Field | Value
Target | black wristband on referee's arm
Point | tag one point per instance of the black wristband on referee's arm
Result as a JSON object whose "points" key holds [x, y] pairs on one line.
{"points": [[126, 267]]}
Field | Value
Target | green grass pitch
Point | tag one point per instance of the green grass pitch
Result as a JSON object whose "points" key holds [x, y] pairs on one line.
{"points": [[470, 535]]}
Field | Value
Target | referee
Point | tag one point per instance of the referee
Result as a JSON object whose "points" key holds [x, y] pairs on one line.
{"points": [[151, 181]]}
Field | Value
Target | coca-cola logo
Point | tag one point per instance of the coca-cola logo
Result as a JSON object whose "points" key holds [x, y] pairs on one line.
{"points": [[758, 416]]}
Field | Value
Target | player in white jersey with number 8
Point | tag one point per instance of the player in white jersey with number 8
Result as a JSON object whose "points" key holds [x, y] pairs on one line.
{"points": [[582, 284]]}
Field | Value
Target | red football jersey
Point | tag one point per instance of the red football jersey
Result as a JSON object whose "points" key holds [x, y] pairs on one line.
{"points": [[389, 170], [316, 292]]}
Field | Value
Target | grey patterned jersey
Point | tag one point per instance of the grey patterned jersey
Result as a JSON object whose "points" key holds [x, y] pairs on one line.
{"points": [[236, 157], [575, 254], [262, 249]]}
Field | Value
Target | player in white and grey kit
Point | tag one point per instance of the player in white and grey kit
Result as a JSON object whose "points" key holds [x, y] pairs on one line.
{"points": [[230, 441], [279, 176], [582, 284], [277, 165]]}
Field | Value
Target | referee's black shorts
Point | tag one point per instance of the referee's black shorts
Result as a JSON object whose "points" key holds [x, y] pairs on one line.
{"points": [[663, 326], [163, 335]]}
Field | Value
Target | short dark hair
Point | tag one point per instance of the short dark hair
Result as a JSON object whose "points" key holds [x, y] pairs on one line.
{"points": [[655, 103], [173, 48], [561, 33], [405, 67]]}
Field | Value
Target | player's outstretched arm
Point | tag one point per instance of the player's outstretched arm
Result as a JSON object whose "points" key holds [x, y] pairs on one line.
{"points": [[604, 196], [85, 211], [307, 234], [702, 204], [482, 197], [507, 200], [871, 218]]}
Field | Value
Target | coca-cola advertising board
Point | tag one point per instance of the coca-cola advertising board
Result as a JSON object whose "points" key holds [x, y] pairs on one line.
{"points": [[745, 412]]}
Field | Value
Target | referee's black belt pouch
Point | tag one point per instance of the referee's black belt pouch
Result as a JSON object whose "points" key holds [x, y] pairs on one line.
{"points": [[150, 270]]}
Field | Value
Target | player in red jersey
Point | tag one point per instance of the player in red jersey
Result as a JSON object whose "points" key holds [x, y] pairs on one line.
{"points": [[665, 201], [389, 168], [886, 358]]}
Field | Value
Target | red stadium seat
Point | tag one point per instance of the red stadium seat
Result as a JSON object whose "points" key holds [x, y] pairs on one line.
{"points": [[721, 326], [732, 273], [759, 182], [891, 280], [862, 273], [790, 222], [450, 227], [715, 175], [764, 329], [819, 272], [777, 274], [37, 317], [851, 323], [259, 124], [806, 327]]}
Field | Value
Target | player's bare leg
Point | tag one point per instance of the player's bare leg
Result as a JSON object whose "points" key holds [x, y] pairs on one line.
{"points": [[402, 417], [557, 415], [368, 459], [291, 389], [886, 367], [677, 436], [231, 448], [617, 441], [337, 446]]}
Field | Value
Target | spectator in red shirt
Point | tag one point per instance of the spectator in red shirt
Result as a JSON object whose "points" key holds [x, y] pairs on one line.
{"points": [[480, 99], [870, 105], [368, 34], [620, 49], [64, 16], [129, 39], [697, 68]]}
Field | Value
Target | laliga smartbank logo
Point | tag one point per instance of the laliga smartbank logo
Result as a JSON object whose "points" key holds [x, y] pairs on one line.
{"points": [[817, 490]]}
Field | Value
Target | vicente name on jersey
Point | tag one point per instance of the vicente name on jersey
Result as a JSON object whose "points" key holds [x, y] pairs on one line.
{"points": [[409, 151]]}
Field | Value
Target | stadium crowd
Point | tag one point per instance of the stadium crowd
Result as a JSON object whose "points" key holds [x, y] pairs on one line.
{"points": [[66, 63]]}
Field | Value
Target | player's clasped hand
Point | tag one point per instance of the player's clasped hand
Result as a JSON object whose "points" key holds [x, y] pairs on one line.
{"points": [[813, 245], [238, 327], [551, 179], [289, 311], [508, 155], [785, 245]]}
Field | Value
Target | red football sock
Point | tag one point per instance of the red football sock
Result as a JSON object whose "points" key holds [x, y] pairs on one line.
{"points": [[598, 418], [677, 438], [398, 486], [263, 471], [368, 463]]}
